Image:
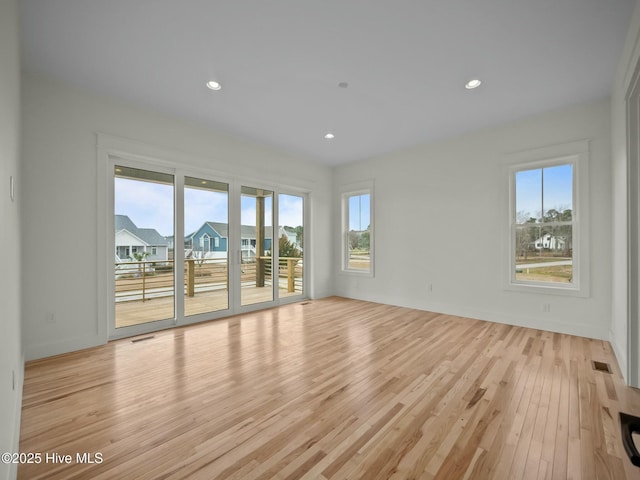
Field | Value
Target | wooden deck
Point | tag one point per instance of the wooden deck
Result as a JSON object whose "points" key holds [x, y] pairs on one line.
{"points": [[332, 389], [137, 312]]}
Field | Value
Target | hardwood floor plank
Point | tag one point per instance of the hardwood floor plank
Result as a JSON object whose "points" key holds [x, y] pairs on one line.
{"points": [[332, 389]]}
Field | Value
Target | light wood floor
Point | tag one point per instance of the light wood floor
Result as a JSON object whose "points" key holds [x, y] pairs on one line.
{"points": [[332, 389]]}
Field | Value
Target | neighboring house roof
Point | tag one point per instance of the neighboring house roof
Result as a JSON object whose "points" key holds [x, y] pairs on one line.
{"points": [[248, 231], [148, 235], [221, 228]]}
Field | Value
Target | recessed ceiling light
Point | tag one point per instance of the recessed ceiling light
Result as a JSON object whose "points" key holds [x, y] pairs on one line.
{"points": [[343, 84], [471, 84], [329, 136], [213, 85]]}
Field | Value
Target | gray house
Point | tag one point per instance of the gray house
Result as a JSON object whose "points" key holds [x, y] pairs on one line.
{"points": [[130, 239]]}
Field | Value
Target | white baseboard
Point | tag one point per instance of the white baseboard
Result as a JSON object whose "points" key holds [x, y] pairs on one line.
{"points": [[42, 350], [518, 320]]}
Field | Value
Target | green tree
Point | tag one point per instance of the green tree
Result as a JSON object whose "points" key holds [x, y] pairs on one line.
{"points": [[287, 249], [354, 239], [139, 257], [525, 236], [299, 235], [365, 240]]}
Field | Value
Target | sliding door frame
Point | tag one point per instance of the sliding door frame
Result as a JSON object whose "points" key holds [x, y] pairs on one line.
{"points": [[113, 151]]}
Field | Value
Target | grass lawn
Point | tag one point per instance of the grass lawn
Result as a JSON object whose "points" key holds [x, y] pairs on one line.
{"points": [[560, 274]]}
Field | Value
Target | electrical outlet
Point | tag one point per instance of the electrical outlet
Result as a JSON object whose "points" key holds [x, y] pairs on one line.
{"points": [[429, 287], [50, 317], [546, 307]]}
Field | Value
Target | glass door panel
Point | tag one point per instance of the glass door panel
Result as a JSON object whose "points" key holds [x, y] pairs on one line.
{"points": [[144, 229], [256, 241], [290, 245], [206, 252]]}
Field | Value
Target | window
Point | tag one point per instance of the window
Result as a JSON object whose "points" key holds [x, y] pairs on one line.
{"points": [[216, 242], [154, 250], [546, 217], [357, 230]]}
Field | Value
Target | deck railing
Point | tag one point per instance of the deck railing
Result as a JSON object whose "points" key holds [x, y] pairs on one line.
{"points": [[144, 280]]}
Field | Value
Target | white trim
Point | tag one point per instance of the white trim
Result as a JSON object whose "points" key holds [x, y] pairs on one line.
{"points": [[557, 325], [621, 357], [17, 415], [632, 104], [192, 165], [574, 153], [34, 351]]}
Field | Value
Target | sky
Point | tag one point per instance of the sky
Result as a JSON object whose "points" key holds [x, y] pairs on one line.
{"points": [[557, 189], [359, 212], [150, 205]]}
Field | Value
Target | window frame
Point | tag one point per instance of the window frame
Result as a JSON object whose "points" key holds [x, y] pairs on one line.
{"points": [[577, 155], [346, 192]]}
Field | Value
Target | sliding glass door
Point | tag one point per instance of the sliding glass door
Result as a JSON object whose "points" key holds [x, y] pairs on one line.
{"points": [[228, 246], [143, 276], [256, 244], [206, 248]]}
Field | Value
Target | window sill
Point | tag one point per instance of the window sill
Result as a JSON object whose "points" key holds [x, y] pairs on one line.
{"points": [[547, 289], [357, 273]]}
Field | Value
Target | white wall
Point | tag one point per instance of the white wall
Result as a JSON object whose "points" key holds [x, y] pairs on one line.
{"points": [[439, 220], [629, 59], [11, 356], [59, 153]]}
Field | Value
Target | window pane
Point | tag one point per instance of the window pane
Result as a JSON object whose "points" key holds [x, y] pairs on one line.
{"points": [[143, 206], [256, 220], [359, 232], [528, 195], [558, 193], [291, 232], [206, 218], [544, 253]]}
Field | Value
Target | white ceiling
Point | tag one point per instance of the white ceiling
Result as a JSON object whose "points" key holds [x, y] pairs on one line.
{"points": [[280, 62]]}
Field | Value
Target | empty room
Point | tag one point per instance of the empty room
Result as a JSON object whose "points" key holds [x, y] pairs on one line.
{"points": [[320, 240]]}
